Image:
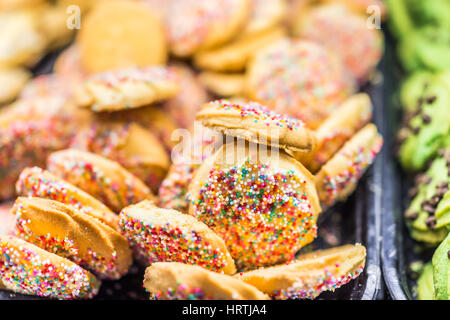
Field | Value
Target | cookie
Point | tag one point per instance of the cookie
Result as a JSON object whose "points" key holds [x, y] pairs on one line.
{"points": [[362, 6], [338, 178], [264, 15], [310, 274], [126, 88], [192, 25], [262, 203], [6, 5], [177, 281], [234, 56], [164, 235], [6, 219], [69, 233], [351, 39], [136, 38], [223, 84], [337, 129], [104, 179], [27, 269], [53, 21], [36, 182], [48, 86], [21, 42], [299, 78], [12, 82], [68, 63], [122, 141], [30, 129], [257, 123]]}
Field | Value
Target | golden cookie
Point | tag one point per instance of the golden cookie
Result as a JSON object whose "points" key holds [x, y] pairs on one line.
{"points": [[12, 82], [338, 178], [263, 203], [265, 15], [362, 6], [19, 4], [123, 141], [177, 281], [223, 84], [299, 78], [36, 182], [196, 25], [234, 56], [127, 88], [121, 34], [72, 234], [337, 129], [27, 269], [104, 179], [351, 37], [310, 274], [53, 25], [166, 235], [30, 129], [257, 123]]}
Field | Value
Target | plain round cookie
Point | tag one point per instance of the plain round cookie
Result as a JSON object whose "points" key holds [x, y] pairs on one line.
{"points": [[36, 182], [121, 34], [223, 84], [299, 78], [336, 130], [177, 281], [104, 179], [165, 235], [12, 82], [309, 274], [193, 25], [126, 88], [338, 178], [257, 123], [28, 269], [69, 233], [262, 203]]}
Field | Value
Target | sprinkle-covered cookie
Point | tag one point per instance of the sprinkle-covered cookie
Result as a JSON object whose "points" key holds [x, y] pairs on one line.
{"points": [[27, 269], [177, 281], [310, 274], [157, 234], [36, 182], [127, 88], [72, 234], [263, 204], [257, 123], [104, 179], [338, 178]]}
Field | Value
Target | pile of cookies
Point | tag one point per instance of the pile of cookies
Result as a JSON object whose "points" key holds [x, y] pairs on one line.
{"points": [[102, 177]]}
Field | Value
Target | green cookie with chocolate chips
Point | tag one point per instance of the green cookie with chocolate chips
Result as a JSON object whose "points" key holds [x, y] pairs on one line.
{"points": [[413, 88], [426, 128], [425, 284], [428, 216]]}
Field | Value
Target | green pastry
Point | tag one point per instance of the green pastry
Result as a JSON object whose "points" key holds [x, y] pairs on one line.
{"points": [[428, 216], [426, 128], [425, 284], [413, 88], [441, 271]]}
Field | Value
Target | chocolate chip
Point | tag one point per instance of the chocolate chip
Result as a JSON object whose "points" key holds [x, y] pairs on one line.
{"points": [[427, 207], [431, 99], [441, 152], [412, 193], [416, 130], [440, 192], [448, 254], [442, 185], [426, 118], [420, 102], [434, 201], [421, 178], [411, 215], [431, 222]]}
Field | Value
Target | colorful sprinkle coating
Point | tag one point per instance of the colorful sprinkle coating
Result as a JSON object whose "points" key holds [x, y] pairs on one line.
{"points": [[325, 282], [166, 242], [358, 161], [104, 267], [261, 113], [263, 217], [301, 79], [26, 271], [85, 174], [182, 292]]}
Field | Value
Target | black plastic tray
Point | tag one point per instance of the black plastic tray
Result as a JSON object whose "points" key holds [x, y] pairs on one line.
{"points": [[358, 220]]}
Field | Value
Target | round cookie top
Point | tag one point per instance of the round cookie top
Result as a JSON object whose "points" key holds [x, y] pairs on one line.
{"points": [[299, 78], [72, 234], [264, 205], [310, 274], [158, 234], [104, 179], [28, 269], [127, 88], [265, 15], [193, 25], [257, 123], [173, 281], [36, 182]]}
